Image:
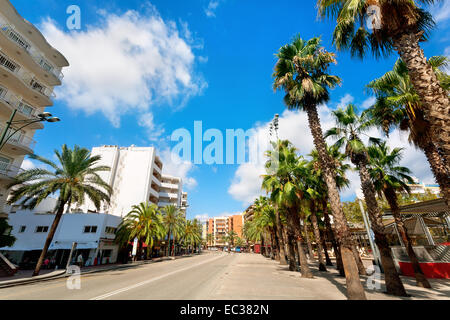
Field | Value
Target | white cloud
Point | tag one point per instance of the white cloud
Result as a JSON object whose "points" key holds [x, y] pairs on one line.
{"points": [[441, 12], [368, 103], [210, 11], [204, 217], [27, 165], [173, 165], [126, 63], [246, 183], [447, 54], [153, 131], [345, 100]]}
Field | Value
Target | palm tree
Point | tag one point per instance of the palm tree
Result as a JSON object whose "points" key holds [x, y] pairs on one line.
{"points": [[348, 132], [239, 242], [301, 70], [73, 178], [286, 189], [403, 25], [173, 220], [230, 239], [191, 234], [341, 182], [209, 239], [399, 105], [145, 223], [388, 178]]}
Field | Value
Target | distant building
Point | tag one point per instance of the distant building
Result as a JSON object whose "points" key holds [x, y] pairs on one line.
{"points": [[220, 226]]}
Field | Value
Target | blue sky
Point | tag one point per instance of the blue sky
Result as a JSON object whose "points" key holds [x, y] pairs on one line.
{"points": [[206, 60]]}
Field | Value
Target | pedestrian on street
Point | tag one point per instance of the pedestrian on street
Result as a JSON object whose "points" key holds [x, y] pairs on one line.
{"points": [[46, 263], [80, 260]]}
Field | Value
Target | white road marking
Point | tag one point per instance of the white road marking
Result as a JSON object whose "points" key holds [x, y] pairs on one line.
{"points": [[112, 293]]}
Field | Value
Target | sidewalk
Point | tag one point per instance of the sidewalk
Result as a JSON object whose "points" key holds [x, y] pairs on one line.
{"points": [[25, 276]]}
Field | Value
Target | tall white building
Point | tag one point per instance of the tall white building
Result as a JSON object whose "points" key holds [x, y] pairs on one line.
{"points": [[29, 69], [136, 176]]}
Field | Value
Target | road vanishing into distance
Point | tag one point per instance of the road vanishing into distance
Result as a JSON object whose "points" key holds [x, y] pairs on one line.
{"points": [[209, 276]]}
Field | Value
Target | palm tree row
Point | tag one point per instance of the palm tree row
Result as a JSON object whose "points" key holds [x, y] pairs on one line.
{"points": [[414, 96], [148, 223]]}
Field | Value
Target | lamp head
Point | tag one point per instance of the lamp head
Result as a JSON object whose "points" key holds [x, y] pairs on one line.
{"points": [[53, 119], [44, 115]]}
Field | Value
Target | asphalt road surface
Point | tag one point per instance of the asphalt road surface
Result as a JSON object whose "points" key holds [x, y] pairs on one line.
{"points": [[209, 276]]}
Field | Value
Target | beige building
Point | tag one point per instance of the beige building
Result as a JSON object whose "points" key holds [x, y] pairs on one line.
{"points": [[29, 70]]}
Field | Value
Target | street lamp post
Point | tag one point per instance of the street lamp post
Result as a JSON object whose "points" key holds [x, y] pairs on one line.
{"points": [[45, 116]]}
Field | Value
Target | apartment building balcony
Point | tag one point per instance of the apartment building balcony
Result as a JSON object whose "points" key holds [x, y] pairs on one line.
{"points": [[158, 169], [19, 143], [10, 102], [156, 181], [13, 76], [170, 186], [8, 171], [29, 56], [154, 192], [169, 195]]}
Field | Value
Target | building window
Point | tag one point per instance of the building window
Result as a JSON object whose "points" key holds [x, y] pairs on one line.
{"points": [[110, 230], [41, 229], [22, 229], [90, 229]]}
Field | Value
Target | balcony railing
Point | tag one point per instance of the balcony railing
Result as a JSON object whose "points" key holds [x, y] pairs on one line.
{"points": [[27, 77], [17, 38], [7, 169], [19, 139], [18, 104]]}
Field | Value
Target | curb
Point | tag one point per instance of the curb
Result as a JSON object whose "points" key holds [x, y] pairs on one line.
{"points": [[62, 273], [13, 283]]}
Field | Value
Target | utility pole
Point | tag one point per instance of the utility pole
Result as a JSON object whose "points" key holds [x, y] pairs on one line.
{"points": [[376, 253]]}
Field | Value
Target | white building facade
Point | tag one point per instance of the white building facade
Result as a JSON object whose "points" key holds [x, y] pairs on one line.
{"points": [[136, 176], [94, 234], [29, 70]]}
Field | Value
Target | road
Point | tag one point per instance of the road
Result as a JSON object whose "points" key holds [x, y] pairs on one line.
{"points": [[209, 276]]}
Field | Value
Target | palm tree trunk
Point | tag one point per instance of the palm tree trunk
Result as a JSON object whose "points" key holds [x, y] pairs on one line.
{"points": [[434, 99], [308, 240], [275, 255], [168, 245], [394, 284], [438, 167], [317, 236], [355, 290], [291, 251], [294, 224], [391, 197], [328, 261], [281, 243], [331, 235], [361, 268], [49, 239]]}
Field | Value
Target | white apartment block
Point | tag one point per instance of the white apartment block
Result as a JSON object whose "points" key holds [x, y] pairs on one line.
{"points": [[170, 191], [136, 176], [29, 69]]}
